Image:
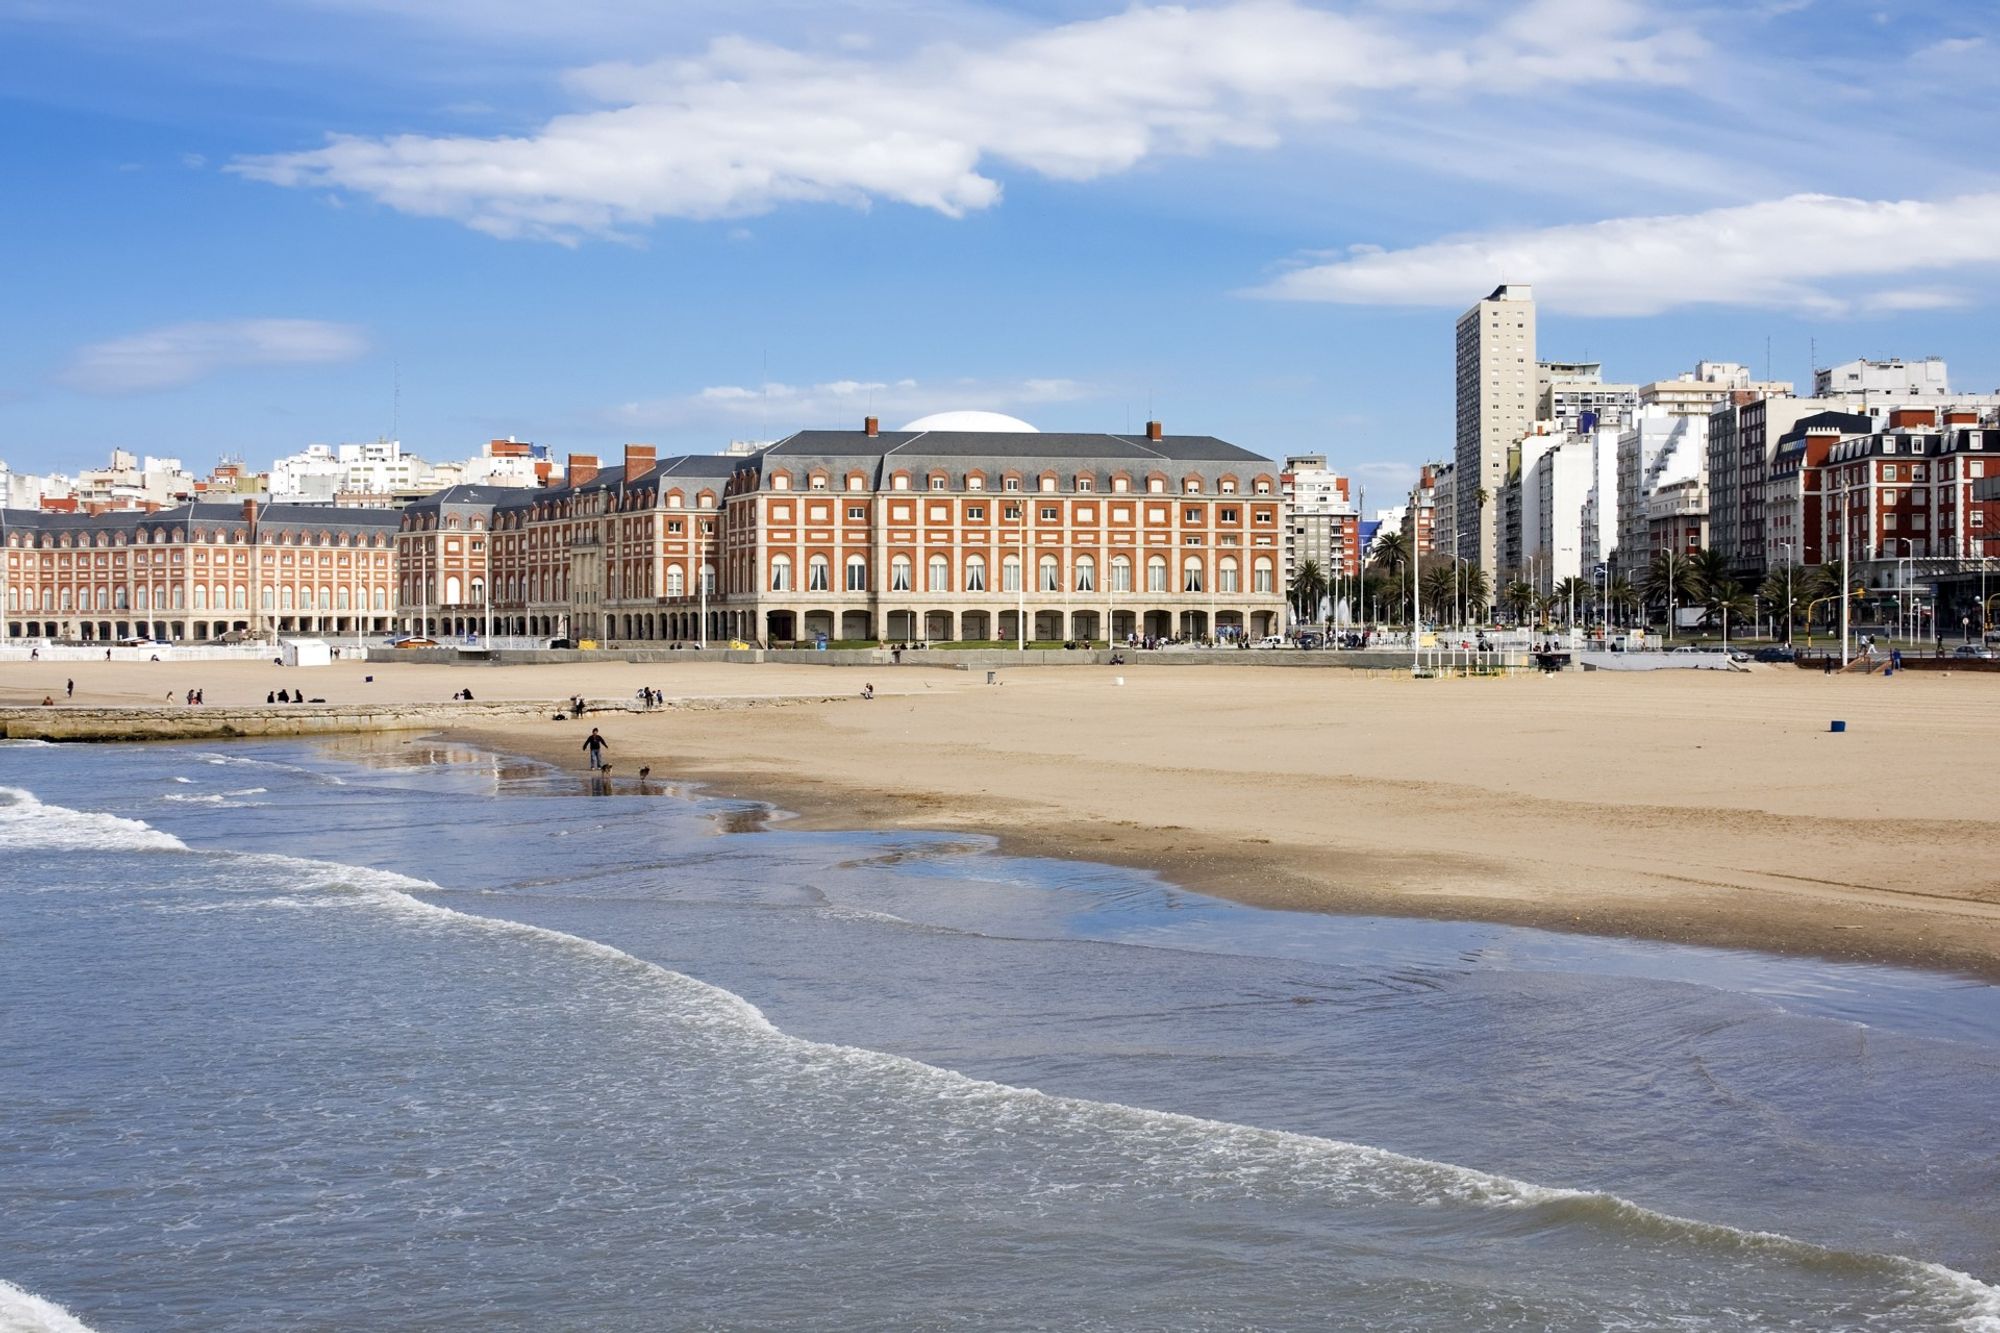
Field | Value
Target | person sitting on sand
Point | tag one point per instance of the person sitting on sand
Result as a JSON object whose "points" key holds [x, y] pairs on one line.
{"points": [[868, 690], [48, 701]]}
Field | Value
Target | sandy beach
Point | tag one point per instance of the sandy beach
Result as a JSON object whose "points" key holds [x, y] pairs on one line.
{"points": [[1702, 807]]}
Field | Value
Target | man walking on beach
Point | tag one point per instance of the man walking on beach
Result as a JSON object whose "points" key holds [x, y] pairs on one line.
{"points": [[594, 744]]}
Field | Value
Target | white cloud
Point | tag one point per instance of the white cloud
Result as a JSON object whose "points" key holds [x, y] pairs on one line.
{"points": [[777, 409], [747, 126], [177, 354], [1809, 252]]}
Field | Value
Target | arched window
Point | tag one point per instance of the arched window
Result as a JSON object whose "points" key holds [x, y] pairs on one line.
{"points": [[1156, 573], [381, 599], [857, 574], [819, 574], [1191, 580], [200, 598], [270, 600], [452, 588], [1225, 575], [340, 596], [940, 574], [1260, 575], [1051, 579], [239, 597], [1086, 574], [899, 574], [1121, 573], [975, 573], [675, 580], [1010, 574], [781, 573]]}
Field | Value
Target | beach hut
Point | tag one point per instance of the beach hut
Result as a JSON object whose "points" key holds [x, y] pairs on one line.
{"points": [[305, 652]]}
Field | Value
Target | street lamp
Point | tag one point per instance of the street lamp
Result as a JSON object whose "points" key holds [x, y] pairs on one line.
{"points": [[1905, 627], [1788, 590]]}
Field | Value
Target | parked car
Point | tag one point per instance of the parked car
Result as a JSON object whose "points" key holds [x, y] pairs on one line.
{"points": [[1271, 641], [1978, 651], [562, 643], [1777, 652]]}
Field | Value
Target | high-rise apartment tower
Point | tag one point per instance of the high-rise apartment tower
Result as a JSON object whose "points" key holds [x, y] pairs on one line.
{"points": [[1496, 406]]}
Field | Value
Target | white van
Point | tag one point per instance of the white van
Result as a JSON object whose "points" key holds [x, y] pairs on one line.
{"points": [[1272, 641]]}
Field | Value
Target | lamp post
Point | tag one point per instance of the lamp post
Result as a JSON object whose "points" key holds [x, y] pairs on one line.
{"points": [[1905, 627], [702, 574], [1788, 590]]}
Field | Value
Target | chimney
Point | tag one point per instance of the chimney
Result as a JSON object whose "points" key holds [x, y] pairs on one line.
{"points": [[582, 469], [639, 458], [871, 427], [1152, 430], [250, 513]]}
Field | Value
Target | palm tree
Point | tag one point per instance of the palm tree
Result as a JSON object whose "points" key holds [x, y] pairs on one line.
{"points": [[1622, 597], [1669, 583], [1519, 598], [1785, 589], [1392, 550], [1477, 591], [1709, 569], [1308, 587], [1572, 594], [1729, 601], [1439, 590]]}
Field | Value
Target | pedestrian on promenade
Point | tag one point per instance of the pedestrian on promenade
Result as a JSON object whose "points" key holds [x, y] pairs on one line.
{"points": [[69, 689], [594, 745]]}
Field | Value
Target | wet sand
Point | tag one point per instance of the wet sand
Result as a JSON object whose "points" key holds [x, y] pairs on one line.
{"points": [[1701, 807]]}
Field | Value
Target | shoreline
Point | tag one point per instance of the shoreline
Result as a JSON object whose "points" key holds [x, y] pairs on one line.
{"points": [[1264, 875], [1705, 808]]}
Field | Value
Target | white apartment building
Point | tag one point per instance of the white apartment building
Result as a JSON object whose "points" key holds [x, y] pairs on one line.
{"points": [[134, 483], [1894, 378], [27, 490], [1320, 518], [1710, 384], [1568, 391], [1497, 382], [1554, 487], [319, 473], [1659, 449]]}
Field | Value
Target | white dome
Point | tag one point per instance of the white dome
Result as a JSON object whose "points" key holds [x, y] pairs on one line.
{"points": [[998, 422]]}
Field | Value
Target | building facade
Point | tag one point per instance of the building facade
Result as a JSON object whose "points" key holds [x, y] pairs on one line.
{"points": [[1322, 521], [1497, 382], [904, 536], [198, 572]]}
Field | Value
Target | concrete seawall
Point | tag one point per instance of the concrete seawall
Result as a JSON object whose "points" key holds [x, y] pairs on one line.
{"points": [[65, 723]]}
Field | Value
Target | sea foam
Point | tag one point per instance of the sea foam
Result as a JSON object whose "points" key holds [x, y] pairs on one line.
{"points": [[24, 1312], [27, 823], [1219, 1155], [1215, 1156]]}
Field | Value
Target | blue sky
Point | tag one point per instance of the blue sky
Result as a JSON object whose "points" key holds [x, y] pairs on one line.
{"points": [[234, 229]]}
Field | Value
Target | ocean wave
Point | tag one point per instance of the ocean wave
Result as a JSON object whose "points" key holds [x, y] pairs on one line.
{"points": [[1228, 1157], [1202, 1157], [24, 1312], [27, 823], [221, 799]]}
